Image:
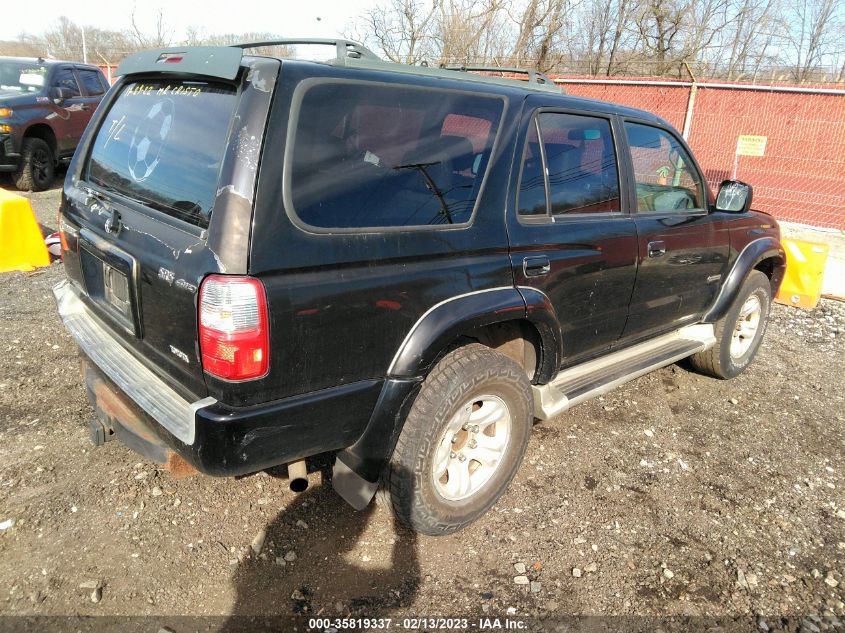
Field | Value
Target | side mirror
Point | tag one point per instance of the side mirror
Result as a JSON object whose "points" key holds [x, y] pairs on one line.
{"points": [[734, 196], [58, 95]]}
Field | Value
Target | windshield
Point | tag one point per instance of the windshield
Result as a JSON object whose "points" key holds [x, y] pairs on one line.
{"points": [[162, 143], [22, 76]]}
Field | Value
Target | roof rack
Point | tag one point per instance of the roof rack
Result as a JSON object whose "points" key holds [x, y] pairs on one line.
{"points": [[344, 48], [534, 76]]}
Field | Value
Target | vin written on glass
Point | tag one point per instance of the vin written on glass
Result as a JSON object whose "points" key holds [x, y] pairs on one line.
{"points": [[177, 90]]}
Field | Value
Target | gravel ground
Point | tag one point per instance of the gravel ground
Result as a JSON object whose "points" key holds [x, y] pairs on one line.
{"points": [[676, 495]]}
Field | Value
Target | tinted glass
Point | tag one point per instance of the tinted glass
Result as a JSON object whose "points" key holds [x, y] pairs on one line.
{"points": [[162, 144], [91, 81], [666, 178], [580, 164], [368, 155], [532, 184], [66, 79]]}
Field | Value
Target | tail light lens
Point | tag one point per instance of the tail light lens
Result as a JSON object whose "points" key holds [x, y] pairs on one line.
{"points": [[234, 336]]}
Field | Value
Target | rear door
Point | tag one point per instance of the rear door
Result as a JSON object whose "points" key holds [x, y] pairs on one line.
{"points": [[682, 248], [93, 90], [570, 232]]}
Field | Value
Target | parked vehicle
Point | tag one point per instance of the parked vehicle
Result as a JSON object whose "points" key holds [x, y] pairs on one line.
{"points": [[270, 259], [45, 106]]}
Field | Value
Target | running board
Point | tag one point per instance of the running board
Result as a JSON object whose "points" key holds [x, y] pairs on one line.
{"points": [[596, 377]]}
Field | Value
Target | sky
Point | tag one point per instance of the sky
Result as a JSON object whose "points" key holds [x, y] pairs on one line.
{"points": [[288, 18]]}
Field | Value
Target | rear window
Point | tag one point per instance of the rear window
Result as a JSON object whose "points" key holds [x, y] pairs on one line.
{"points": [[374, 156], [162, 144]]}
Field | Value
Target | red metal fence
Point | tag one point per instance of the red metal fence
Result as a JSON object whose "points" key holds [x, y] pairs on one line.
{"points": [[800, 177]]}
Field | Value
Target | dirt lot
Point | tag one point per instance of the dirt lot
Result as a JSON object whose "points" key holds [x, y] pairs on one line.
{"points": [[675, 495]]}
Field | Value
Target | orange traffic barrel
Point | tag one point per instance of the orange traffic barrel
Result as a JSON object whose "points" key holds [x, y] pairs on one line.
{"points": [[802, 283]]}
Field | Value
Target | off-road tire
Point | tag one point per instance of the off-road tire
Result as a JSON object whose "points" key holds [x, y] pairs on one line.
{"points": [[37, 167], [717, 361], [407, 484]]}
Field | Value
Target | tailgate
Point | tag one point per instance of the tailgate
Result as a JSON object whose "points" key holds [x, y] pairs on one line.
{"points": [[158, 196]]}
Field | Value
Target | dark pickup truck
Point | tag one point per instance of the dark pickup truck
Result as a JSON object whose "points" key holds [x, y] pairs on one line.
{"points": [[45, 106], [269, 259]]}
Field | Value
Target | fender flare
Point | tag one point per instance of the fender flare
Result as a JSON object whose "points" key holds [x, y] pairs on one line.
{"points": [[753, 253], [444, 322], [434, 330]]}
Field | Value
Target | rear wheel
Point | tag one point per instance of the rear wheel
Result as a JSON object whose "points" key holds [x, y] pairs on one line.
{"points": [[462, 442], [740, 332], [37, 166]]}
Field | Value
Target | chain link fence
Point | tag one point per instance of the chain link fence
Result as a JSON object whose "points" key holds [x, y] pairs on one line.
{"points": [[800, 176]]}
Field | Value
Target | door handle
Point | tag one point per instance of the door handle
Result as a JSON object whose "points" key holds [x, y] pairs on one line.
{"points": [[536, 266], [84, 106], [656, 249]]}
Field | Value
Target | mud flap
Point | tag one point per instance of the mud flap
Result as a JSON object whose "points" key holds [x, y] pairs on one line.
{"points": [[354, 489]]}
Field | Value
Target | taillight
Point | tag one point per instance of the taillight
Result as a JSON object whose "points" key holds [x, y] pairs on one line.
{"points": [[234, 337]]}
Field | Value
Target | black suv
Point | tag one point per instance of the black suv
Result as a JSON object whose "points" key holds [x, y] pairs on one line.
{"points": [[44, 109], [270, 259]]}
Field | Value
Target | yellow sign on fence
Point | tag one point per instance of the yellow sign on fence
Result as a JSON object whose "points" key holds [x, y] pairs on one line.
{"points": [[747, 145]]}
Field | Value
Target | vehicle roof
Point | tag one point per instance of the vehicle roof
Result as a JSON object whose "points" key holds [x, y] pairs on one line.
{"points": [[510, 85], [226, 61], [46, 62]]}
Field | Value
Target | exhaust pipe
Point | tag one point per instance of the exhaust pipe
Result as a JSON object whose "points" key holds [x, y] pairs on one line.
{"points": [[298, 476]]}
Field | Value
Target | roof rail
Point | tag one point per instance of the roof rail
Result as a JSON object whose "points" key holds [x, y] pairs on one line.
{"points": [[344, 48], [534, 76]]}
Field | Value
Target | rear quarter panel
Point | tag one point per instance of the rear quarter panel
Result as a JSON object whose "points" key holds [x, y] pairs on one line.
{"points": [[342, 303]]}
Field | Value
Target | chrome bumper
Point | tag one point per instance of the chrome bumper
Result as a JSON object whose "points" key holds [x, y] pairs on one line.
{"points": [[147, 390]]}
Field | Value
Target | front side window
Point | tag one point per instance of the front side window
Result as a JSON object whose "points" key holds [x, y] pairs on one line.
{"points": [[374, 156], [573, 158], [666, 178], [66, 79], [162, 144]]}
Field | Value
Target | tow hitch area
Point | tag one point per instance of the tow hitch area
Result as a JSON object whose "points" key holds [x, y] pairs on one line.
{"points": [[117, 416]]}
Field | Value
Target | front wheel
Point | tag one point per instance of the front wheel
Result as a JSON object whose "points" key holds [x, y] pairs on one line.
{"points": [[740, 332], [37, 166], [462, 442]]}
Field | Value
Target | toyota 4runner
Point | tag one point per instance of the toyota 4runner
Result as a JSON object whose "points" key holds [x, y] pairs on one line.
{"points": [[269, 259]]}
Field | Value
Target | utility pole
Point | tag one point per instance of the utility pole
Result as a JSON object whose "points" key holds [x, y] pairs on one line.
{"points": [[84, 47]]}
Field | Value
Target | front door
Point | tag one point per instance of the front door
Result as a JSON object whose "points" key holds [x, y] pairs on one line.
{"points": [[570, 232], [70, 117], [682, 248]]}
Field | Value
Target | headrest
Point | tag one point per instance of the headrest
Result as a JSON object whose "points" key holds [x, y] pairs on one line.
{"points": [[583, 134]]}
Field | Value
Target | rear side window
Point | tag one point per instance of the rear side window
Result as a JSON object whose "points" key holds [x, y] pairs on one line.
{"points": [[91, 82], [374, 156], [162, 144], [580, 166]]}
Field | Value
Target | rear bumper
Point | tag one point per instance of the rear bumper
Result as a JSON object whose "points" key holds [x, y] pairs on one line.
{"points": [[143, 387], [214, 438]]}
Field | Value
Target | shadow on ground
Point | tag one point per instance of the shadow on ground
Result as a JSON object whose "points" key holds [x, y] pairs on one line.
{"points": [[336, 573]]}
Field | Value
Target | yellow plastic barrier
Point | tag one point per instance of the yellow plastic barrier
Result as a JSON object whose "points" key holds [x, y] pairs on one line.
{"points": [[802, 283], [21, 243]]}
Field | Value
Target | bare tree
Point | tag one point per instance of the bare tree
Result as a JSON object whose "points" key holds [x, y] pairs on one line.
{"points": [[814, 31], [159, 38], [403, 30]]}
